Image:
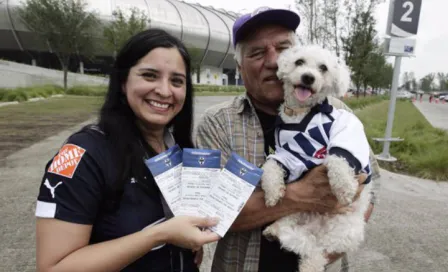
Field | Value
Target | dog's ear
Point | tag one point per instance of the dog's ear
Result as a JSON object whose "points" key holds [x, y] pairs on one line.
{"points": [[284, 63], [341, 80]]}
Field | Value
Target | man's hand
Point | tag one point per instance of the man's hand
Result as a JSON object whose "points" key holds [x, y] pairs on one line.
{"points": [[314, 189]]}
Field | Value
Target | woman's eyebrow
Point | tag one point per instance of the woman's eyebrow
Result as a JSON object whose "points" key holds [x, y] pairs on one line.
{"points": [[143, 69], [179, 74]]}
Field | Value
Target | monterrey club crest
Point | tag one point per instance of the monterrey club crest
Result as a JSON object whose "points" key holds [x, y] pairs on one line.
{"points": [[201, 160], [167, 162]]}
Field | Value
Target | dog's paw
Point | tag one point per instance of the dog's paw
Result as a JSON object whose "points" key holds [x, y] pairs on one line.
{"points": [[312, 264], [342, 179], [272, 183], [273, 197], [271, 232]]}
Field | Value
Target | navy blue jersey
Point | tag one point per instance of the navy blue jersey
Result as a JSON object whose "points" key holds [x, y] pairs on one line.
{"points": [[76, 188]]}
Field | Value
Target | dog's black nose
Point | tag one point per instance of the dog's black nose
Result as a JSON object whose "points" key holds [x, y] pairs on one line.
{"points": [[308, 79]]}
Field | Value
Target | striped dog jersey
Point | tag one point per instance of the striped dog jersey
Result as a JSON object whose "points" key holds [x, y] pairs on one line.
{"points": [[323, 131]]}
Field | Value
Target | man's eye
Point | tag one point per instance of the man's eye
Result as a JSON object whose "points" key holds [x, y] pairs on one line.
{"points": [[256, 54], [300, 62]]}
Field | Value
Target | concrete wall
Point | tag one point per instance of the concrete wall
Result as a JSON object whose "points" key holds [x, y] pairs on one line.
{"points": [[13, 75]]}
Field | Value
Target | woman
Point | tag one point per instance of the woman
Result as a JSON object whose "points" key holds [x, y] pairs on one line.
{"points": [[99, 208]]}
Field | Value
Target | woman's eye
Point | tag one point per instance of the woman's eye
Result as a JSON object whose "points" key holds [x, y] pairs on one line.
{"points": [[178, 81], [149, 75]]}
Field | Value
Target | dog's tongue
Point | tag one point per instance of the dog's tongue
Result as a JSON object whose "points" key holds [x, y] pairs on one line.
{"points": [[302, 94]]}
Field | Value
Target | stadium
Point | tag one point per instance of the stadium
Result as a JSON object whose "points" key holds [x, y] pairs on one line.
{"points": [[205, 28]]}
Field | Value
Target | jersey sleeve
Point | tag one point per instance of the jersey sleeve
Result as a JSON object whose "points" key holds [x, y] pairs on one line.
{"points": [[291, 161], [348, 140], [72, 185]]}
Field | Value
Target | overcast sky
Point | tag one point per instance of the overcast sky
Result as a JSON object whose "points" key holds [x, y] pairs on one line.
{"points": [[432, 39]]}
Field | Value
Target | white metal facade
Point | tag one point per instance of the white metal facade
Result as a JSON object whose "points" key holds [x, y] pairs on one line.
{"points": [[203, 27]]}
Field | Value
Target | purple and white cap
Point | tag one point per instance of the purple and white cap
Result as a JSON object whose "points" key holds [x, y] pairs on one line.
{"points": [[263, 15]]}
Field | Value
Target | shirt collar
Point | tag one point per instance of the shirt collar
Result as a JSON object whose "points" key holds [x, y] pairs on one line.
{"points": [[244, 103]]}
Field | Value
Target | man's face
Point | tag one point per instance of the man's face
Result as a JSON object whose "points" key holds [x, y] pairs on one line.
{"points": [[259, 64]]}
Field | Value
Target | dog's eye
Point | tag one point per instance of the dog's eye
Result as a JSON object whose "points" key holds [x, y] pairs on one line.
{"points": [[300, 62], [323, 68]]}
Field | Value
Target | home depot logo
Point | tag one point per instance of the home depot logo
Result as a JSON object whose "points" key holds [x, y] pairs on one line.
{"points": [[67, 160]]}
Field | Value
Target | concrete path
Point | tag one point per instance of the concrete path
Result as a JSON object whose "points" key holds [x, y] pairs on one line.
{"points": [[436, 114], [407, 232]]}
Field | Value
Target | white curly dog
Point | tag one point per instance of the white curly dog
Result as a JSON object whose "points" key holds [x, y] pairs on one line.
{"points": [[312, 132]]}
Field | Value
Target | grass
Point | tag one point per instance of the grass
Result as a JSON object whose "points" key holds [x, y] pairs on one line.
{"points": [[424, 151], [24, 94], [359, 103], [26, 123]]}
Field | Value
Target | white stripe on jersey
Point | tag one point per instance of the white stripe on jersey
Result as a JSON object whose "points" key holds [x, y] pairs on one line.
{"points": [[45, 209], [301, 151]]}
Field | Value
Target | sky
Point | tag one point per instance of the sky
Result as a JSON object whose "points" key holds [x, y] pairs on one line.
{"points": [[431, 54]]}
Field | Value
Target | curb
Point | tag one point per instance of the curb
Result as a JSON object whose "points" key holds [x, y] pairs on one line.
{"points": [[30, 100], [8, 103]]}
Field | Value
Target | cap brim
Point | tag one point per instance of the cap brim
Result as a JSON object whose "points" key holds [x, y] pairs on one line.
{"points": [[281, 17]]}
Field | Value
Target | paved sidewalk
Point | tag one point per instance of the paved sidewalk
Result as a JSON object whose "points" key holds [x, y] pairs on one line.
{"points": [[408, 231], [436, 114]]}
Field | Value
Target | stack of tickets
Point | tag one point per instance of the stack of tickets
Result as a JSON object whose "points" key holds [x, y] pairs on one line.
{"points": [[193, 183]]}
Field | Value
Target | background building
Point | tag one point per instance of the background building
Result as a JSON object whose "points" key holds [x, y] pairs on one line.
{"points": [[204, 28]]}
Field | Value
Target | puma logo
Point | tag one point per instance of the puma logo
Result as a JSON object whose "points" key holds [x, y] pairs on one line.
{"points": [[52, 189]]}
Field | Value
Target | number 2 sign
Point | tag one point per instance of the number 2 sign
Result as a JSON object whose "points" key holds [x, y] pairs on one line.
{"points": [[404, 17]]}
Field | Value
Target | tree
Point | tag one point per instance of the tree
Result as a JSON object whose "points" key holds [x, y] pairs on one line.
{"points": [[326, 22], [406, 81], [387, 74], [374, 70], [443, 81], [64, 24], [427, 82], [413, 82], [123, 27], [359, 46]]}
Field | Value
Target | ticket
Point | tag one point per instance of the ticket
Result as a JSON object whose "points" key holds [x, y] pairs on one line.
{"points": [[228, 195], [200, 168], [166, 168]]}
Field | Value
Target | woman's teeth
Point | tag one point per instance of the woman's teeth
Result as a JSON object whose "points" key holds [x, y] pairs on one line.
{"points": [[159, 105]]}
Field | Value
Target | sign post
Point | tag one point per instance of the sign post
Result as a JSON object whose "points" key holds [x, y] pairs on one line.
{"points": [[403, 20]]}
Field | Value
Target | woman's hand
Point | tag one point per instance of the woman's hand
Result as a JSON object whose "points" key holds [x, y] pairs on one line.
{"points": [[185, 232]]}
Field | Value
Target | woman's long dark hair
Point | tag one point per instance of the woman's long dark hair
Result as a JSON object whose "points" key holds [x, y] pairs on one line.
{"points": [[118, 121]]}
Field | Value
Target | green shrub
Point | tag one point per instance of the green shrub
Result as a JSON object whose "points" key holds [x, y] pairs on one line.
{"points": [[218, 89], [87, 90], [25, 93]]}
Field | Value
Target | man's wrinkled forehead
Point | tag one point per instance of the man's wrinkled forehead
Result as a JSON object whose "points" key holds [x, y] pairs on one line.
{"points": [[269, 35]]}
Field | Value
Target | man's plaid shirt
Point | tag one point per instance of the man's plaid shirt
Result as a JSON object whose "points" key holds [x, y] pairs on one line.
{"points": [[233, 126]]}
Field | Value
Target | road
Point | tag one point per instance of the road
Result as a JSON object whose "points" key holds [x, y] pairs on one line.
{"points": [[436, 114], [408, 230]]}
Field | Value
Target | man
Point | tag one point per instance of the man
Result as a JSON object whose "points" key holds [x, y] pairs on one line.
{"points": [[245, 125]]}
